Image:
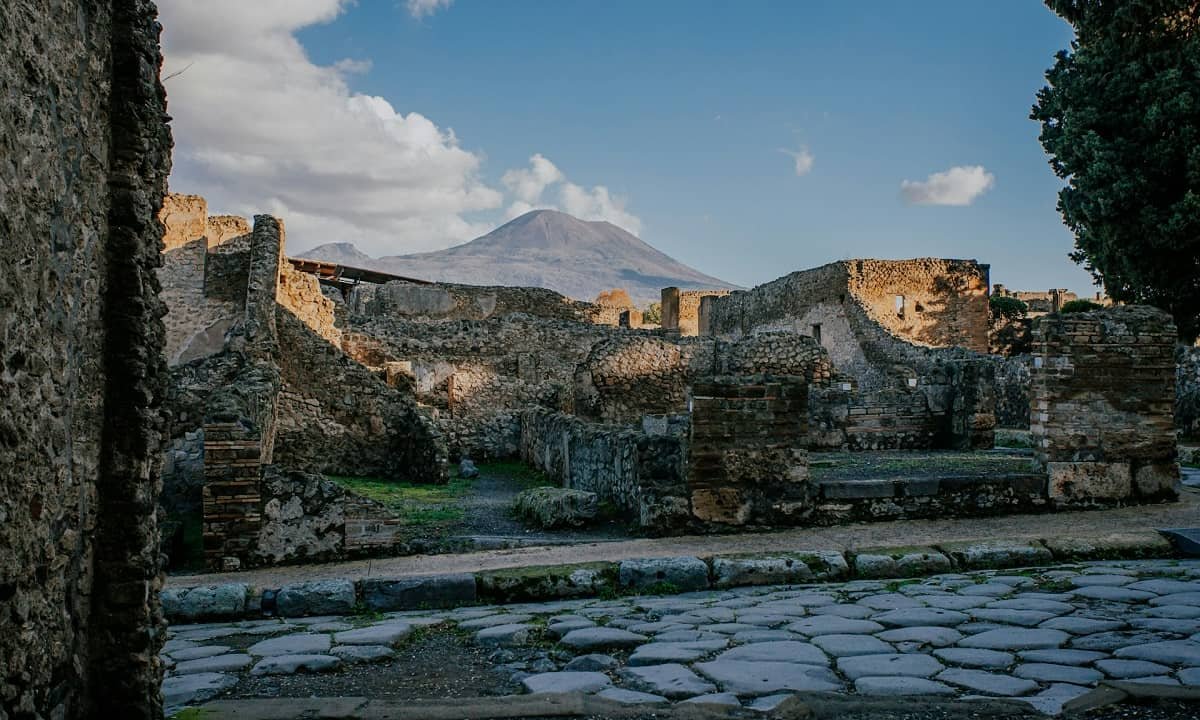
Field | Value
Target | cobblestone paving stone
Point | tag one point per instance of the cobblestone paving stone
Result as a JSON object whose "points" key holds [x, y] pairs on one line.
{"points": [[1042, 636]]}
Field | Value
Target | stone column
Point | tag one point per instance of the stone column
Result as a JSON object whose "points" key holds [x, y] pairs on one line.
{"points": [[670, 310]]}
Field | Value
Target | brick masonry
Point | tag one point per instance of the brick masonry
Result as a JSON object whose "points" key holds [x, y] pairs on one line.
{"points": [[1103, 405]]}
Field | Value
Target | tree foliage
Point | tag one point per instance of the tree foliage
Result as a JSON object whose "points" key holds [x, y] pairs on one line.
{"points": [[1078, 306], [1121, 123], [1007, 308], [652, 315]]}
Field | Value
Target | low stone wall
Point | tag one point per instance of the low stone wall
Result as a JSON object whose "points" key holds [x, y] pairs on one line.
{"points": [[639, 473], [1104, 395]]}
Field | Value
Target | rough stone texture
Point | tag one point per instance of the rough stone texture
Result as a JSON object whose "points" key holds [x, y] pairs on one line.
{"points": [[86, 151], [412, 593], [211, 602], [1103, 398], [901, 395], [319, 597], [552, 507], [681, 309], [683, 574]]}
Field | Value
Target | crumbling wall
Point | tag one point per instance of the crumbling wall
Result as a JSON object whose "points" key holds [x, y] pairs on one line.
{"points": [[905, 396], [627, 376], [336, 416], [438, 302], [476, 375], [640, 473], [681, 309], [1103, 397], [196, 321], [300, 293], [83, 122], [928, 301]]}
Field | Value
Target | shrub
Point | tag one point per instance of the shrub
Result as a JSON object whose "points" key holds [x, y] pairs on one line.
{"points": [[1078, 306], [1007, 308]]}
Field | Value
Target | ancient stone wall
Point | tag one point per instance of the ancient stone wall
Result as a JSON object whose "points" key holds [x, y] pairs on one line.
{"points": [[437, 302], [301, 294], [336, 416], [681, 309], [642, 474], [83, 123], [627, 376], [476, 375], [1103, 400], [1013, 383], [928, 301], [912, 396], [747, 459]]}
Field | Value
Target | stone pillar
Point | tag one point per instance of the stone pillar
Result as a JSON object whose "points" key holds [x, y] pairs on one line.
{"points": [[747, 460], [670, 310], [1103, 405], [704, 315]]}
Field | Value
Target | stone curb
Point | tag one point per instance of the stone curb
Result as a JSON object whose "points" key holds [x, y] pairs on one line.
{"points": [[663, 575]]}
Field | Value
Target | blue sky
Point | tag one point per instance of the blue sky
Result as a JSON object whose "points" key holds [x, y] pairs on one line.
{"points": [[682, 112]]}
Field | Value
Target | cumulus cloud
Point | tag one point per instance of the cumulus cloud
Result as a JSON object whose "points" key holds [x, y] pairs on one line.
{"points": [[260, 127], [802, 158], [527, 186], [423, 8], [959, 185]]}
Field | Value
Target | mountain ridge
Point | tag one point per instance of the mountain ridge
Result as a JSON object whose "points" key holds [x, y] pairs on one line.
{"points": [[542, 248]]}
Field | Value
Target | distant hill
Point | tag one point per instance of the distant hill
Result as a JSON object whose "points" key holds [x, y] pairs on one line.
{"points": [[543, 248]]}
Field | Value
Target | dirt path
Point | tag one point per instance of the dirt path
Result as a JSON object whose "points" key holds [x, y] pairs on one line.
{"points": [[1185, 513]]}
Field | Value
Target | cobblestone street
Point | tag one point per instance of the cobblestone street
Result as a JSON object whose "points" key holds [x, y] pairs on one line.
{"points": [[1042, 636]]}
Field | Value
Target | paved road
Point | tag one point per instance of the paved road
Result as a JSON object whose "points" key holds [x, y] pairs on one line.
{"points": [[1042, 636]]}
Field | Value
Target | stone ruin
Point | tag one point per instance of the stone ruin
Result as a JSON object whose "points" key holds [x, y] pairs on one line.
{"points": [[703, 424]]}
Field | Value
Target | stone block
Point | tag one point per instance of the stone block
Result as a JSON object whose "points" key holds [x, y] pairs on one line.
{"points": [[1157, 480], [207, 602], [417, 592], [684, 574], [319, 597], [1088, 482]]}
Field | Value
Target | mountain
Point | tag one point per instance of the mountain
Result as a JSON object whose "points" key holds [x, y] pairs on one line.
{"points": [[542, 248]]}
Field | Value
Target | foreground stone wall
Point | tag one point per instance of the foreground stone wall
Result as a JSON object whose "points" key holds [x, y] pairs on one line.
{"points": [[84, 125], [1103, 399]]}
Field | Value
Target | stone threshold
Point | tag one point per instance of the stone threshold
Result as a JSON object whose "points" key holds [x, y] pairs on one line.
{"points": [[636, 576]]}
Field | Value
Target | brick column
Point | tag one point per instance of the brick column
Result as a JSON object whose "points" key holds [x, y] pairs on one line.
{"points": [[747, 458], [1103, 405]]}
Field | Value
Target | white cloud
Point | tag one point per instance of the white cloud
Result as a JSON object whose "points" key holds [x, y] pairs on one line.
{"points": [[422, 8], [528, 184], [802, 158], [959, 185], [259, 127]]}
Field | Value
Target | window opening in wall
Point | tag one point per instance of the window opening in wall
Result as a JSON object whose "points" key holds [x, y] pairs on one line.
{"points": [[900, 306], [918, 307], [816, 332]]}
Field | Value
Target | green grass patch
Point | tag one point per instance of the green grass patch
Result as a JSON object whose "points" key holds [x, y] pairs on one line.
{"points": [[415, 504]]}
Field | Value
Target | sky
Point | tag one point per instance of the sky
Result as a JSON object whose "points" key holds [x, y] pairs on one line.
{"points": [[746, 139]]}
